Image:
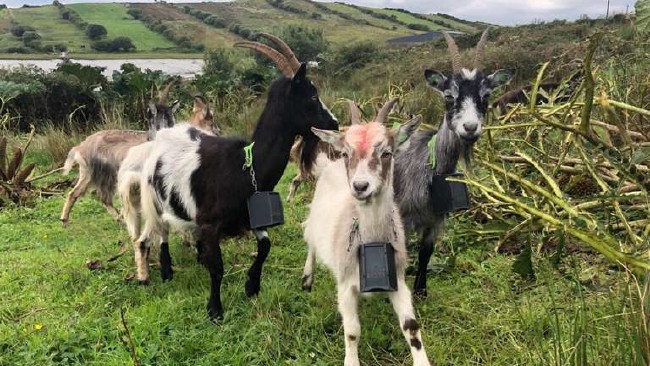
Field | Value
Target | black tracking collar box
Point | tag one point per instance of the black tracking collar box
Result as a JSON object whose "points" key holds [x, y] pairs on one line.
{"points": [[377, 267], [447, 196], [265, 210]]}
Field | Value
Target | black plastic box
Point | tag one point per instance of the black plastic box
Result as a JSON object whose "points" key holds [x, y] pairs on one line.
{"points": [[448, 196], [265, 210], [377, 267]]}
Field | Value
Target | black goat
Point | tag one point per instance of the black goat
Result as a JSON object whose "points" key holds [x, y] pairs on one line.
{"points": [[197, 181], [466, 94]]}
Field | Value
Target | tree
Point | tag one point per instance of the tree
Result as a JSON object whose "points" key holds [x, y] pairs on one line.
{"points": [[123, 44], [306, 43], [95, 31], [30, 38]]}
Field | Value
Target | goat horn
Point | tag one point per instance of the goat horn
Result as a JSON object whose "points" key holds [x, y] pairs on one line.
{"points": [[355, 113], [480, 48], [164, 94], [284, 49], [456, 66], [275, 56], [385, 109]]}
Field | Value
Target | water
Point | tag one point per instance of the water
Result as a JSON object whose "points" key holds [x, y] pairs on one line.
{"points": [[186, 68]]}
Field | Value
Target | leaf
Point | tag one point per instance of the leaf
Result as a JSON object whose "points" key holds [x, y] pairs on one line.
{"points": [[14, 164], [21, 175], [523, 265], [642, 9]]}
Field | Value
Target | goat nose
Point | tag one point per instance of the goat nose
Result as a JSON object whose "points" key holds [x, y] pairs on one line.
{"points": [[470, 127], [360, 187]]}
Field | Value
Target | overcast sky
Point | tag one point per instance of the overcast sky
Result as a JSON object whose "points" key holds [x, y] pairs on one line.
{"points": [[504, 12]]}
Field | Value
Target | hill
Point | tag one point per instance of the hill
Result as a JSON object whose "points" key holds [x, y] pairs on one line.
{"points": [[191, 27]]}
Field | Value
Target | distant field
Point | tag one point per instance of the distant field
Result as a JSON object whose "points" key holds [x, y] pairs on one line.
{"points": [[258, 15], [357, 14], [6, 38], [118, 23], [48, 23], [184, 25]]}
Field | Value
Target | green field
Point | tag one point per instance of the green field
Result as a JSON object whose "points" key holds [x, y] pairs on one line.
{"points": [[185, 25], [49, 25], [54, 310], [119, 24]]}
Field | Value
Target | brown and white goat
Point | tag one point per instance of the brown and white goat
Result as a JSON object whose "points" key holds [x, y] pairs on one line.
{"points": [[100, 155], [354, 204]]}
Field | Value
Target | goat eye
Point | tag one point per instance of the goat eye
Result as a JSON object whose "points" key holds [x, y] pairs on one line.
{"points": [[344, 154], [386, 155], [314, 98]]}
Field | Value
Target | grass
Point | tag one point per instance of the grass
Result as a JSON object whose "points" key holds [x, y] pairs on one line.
{"points": [[48, 23], [55, 310], [119, 24]]}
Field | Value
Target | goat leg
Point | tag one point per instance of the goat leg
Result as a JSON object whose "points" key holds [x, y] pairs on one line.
{"points": [[426, 249], [211, 258], [348, 300], [166, 271], [403, 306], [255, 272], [308, 271]]}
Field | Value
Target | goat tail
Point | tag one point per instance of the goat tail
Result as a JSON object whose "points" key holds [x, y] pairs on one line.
{"points": [[70, 161]]}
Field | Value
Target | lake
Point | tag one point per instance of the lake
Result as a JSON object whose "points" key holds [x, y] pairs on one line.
{"points": [[186, 68]]}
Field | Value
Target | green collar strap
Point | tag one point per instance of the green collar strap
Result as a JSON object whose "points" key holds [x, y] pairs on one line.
{"points": [[248, 155]]}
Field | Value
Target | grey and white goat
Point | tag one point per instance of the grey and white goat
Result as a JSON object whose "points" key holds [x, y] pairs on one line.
{"points": [[466, 92], [354, 204]]}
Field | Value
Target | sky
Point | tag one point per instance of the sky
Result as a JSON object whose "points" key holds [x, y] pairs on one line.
{"points": [[502, 12]]}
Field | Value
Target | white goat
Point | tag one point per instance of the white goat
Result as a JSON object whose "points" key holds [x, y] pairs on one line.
{"points": [[353, 204]]}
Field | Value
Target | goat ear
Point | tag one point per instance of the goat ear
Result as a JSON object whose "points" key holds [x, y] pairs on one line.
{"points": [[301, 74], [435, 79], [404, 131], [331, 137], [175, 106], [500, 77]]}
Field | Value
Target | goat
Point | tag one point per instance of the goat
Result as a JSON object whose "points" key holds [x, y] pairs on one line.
{"points": [[354, 204], [196, 181], [466, 93], [522, 95], [128, 176], [99, 156]]}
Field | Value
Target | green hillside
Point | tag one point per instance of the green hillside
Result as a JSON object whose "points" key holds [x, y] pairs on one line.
{"points": [[161, 26], [47, 22], [118, 23]]}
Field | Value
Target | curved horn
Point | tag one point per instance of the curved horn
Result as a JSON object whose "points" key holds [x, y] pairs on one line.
{"points": [[269, 52], [284, 49], [355, 113], [385, 109], [480, 48], [164, 94], [456, 66]]}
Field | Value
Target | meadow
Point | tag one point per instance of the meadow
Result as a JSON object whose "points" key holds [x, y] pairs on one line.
{"points": [[549, 266]]}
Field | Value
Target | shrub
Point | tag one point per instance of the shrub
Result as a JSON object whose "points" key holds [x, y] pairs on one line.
{"points": [[306, 43], [135, 13], [30, 38], [95, 31], [19, 30], [119, 44], [355, 56], [419, 27]]}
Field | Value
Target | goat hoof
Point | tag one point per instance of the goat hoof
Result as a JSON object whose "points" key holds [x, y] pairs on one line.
{"points": [[64, 222], [144, 282], [306, 282], [252, 289], [166, 274], [421, 293], [215, 314]]}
